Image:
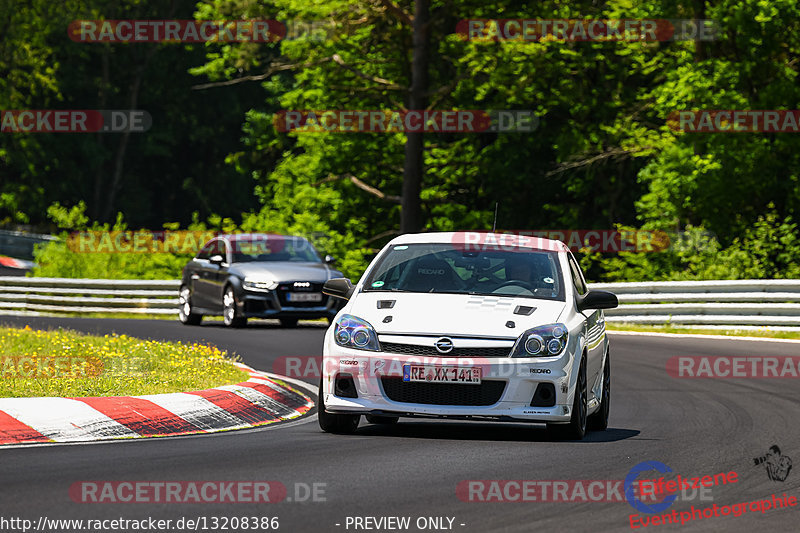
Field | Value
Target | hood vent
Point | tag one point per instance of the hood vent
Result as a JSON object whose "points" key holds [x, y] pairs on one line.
{"points": [[524, 310], [385, 304]]}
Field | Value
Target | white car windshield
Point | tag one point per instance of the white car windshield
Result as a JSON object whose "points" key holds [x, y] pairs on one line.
{"points": [[444, 268]]}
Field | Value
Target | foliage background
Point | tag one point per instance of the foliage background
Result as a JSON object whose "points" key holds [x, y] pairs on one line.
{"points": [[602, 156]]}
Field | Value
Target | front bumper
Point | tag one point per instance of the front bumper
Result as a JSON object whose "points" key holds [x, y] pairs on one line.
{"points": [[508, 387], [259, 304]]}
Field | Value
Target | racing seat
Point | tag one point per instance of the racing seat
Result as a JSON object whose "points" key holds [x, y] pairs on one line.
{"points": [[430, 274]]}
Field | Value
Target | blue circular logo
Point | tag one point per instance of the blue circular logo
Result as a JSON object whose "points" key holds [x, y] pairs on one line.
{"points": [[630, 479]]}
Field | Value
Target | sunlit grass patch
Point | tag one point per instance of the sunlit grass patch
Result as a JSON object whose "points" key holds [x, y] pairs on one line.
{"points": [[66, 363]]}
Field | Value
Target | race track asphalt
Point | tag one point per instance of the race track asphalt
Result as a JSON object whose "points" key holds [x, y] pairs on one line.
{"points": [[696, 426]]}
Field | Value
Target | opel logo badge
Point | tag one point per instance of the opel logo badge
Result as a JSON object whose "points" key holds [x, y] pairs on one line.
{"points": [[444, 345]]}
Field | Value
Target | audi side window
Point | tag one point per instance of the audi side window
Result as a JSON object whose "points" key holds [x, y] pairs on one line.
{"points": [[206, 252], [577, 276]]}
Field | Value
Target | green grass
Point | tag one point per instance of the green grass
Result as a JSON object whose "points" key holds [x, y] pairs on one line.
{"points": [[770, 334], [66, 363]]}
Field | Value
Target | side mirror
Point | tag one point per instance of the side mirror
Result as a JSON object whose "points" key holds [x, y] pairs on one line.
{"points": [[597, 299], [339, 288], [216, 260], [330, 259]]}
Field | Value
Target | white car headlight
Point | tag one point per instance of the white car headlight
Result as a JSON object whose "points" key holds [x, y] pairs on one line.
{"points": [[541, 341], [251, 284], [353, 332]]}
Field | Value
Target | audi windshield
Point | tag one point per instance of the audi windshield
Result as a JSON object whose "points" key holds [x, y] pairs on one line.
{"points": [[272, 248]]}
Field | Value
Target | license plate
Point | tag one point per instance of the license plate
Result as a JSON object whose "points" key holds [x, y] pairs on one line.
{"points": [[304, 297], [442, 374]]}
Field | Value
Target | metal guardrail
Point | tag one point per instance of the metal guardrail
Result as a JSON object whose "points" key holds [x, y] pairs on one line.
{"points": [[745, 303], [64, 295]]}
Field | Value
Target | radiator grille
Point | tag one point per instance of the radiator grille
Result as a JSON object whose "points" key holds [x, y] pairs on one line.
{"points": [[417, 349], [488, 392]]}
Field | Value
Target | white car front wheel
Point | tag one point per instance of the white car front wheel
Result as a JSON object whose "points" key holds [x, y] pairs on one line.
{"points": [[575, 429], [333, 423]]}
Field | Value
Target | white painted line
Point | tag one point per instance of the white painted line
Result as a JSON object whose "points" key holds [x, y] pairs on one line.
{"points": [[261, 380], [277, 426], [279, 388], [259, 375], [308, 386], [64, 420]]}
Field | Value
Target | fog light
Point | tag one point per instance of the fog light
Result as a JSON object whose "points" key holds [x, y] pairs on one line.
{"points": [[545, 395], [345, 387]]}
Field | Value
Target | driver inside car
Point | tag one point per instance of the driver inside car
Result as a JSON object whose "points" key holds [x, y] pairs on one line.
{"points": [[518, 269]]}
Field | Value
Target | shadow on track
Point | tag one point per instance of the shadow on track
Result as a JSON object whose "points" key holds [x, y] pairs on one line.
{"points": [[484, 432]]}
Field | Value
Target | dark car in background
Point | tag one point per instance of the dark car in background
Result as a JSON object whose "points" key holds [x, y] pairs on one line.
{"points": [[16, 251], [257, 275]]}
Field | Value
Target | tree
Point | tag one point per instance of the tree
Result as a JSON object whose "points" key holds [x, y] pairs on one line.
{"points": [[165, 174], [414, 155]]}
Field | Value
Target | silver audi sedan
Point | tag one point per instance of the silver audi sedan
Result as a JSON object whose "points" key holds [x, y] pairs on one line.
{"points": [[261, 275]]}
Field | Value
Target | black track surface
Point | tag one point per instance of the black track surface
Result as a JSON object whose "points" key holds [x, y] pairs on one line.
{"points": [[696, 427]]}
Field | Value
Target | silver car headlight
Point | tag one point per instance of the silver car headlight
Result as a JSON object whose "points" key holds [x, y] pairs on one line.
{"points": [[264, 285], [353, 332], [542, 341]]}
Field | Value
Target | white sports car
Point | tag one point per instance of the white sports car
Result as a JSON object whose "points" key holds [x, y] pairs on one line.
{"points": [[475, 326]]}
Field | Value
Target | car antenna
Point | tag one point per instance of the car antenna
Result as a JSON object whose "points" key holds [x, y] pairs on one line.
{"points": [[494, 224]]}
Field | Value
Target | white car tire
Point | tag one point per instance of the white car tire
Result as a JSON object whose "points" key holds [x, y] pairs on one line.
{"points": [[333, 423], [575, 429]]}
